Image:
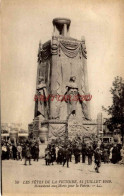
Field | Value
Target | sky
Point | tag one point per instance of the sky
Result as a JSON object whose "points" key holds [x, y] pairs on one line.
{"points": [[25, 23]]}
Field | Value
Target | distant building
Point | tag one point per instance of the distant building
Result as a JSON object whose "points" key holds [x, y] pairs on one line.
{"points": [[107, 135], [13, 132]]}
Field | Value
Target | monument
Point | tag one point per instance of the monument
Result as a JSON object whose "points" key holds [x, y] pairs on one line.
{"points": [[62, 93]]}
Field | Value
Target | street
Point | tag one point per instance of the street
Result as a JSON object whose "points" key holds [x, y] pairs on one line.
{"points": [[80, 178]]}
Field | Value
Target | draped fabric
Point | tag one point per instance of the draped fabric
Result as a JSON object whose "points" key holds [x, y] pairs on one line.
{"points": [[70, 49], [83, 49], [44, 52], [70, 67]]}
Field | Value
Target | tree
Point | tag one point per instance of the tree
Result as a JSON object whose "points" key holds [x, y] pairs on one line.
{"points": [[116, 110]]}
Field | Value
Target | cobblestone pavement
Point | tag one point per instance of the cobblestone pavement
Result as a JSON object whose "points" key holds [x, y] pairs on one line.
{"points": [[78, 178]]}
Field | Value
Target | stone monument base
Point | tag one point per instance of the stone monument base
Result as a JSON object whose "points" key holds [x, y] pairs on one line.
{"points": [[56, 129], [61, 129]]}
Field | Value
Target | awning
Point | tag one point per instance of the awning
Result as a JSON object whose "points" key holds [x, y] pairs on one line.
{"points": [[22, 135], [4, 134]]}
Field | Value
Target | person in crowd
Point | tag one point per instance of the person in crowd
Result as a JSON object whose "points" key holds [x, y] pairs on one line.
{"points": [[11, 153], [76, 154], [14, 150], [47, 156], [105, 156], [115, 154], [33, 150], [19, 152], [70, 153], [66, 155], [110, 155], [4, 151], [53, 154], [83, 151], [79, 152], [90, 155], [97, 159], [60, 156], [122, 155], [57, 149], [108, 150], [36, 152], [8, 152], [23, 150], [28, 155], [102, 146], [119, 147]]}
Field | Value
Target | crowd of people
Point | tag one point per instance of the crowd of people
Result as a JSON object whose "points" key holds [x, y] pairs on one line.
{"points": [[26, 150], [104, 153], [62, 153]]}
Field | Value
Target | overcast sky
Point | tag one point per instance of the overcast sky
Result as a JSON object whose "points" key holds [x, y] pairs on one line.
{"points": [[25, 23]]}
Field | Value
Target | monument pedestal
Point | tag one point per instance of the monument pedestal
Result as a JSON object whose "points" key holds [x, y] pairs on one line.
{"points": [[57, 129]]}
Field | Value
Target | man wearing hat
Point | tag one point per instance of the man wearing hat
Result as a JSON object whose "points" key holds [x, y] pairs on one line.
{"points": [[66, 155]]}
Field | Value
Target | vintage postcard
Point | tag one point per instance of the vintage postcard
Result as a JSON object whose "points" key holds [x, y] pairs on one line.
{"points": [[62, 97]]}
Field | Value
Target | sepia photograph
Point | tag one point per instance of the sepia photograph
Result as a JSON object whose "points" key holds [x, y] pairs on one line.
{"points": [[62, 97]]}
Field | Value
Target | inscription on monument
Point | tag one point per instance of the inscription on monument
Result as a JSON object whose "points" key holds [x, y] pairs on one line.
{"points": [[80, 128], [75, 128]]}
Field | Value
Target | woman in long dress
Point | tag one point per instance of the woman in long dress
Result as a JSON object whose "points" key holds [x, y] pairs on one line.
{"points": [[115, 154]]}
